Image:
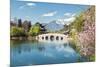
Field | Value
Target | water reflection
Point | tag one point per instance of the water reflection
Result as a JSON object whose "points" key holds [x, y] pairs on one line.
{"points": [[41, 53]]}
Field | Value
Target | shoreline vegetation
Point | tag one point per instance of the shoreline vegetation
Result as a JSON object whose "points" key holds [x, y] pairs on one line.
{"points": [[23, 38], [81, 32]]}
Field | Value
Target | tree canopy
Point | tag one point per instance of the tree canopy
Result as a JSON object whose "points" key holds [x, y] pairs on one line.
{"points": [[17, 31]]}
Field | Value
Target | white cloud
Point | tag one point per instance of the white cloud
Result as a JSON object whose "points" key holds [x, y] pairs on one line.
{"points": [[66, 20], [49, 14], [21, 7], [71, 19], [30, 4], [60, 21], [69, 14], [27, 4], [73, 15]]}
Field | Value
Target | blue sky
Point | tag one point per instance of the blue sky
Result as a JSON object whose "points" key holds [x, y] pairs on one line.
{"points": [[45, 12]]}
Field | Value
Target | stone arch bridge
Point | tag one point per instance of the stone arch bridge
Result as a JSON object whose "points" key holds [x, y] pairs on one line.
{"points": [[52, 37]]}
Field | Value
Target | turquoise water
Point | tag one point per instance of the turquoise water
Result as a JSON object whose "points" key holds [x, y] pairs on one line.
{"points": [[37, 53]]}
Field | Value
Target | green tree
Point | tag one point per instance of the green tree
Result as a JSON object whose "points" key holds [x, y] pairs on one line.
{"points": [[78, 23], [35, 29], [16, 31], [19, 23], [26, 25]]}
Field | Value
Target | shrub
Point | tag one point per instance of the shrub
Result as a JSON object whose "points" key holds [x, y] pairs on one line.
{"points": [[17, 31]]}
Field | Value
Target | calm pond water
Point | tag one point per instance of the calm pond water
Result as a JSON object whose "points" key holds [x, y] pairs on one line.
{"points": [[35, 53]]}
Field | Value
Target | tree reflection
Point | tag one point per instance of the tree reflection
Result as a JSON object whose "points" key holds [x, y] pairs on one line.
{"points": [[26, 46], [41, 49]]}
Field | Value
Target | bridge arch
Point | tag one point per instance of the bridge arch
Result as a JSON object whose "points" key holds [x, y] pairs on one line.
{"points": [[52, 37], [57, 37], [46, 37]]}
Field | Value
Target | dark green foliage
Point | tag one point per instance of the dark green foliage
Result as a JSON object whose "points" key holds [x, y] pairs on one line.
{"points": [[19, 23], [26, 25], [26, 28], [17, 31], [92, 58], [35, 29], [77, 24]]}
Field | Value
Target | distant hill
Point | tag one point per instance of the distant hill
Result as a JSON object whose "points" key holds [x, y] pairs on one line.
{"points": [[54, 26]]}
